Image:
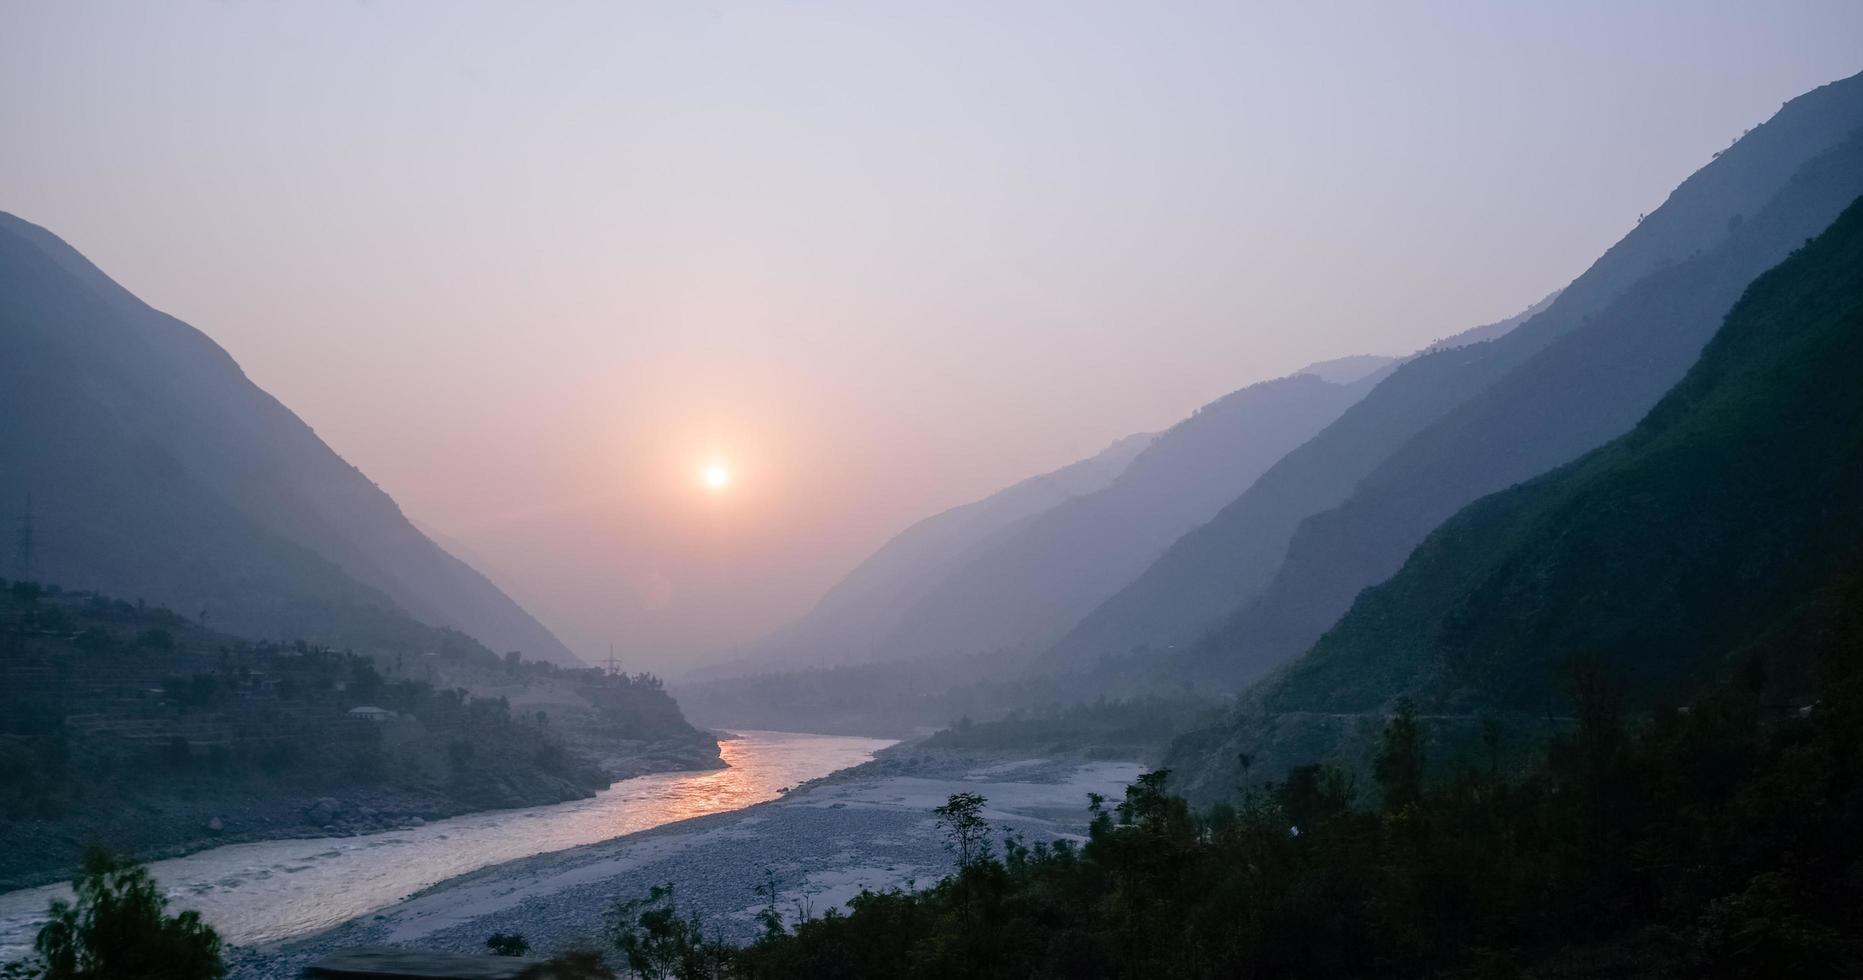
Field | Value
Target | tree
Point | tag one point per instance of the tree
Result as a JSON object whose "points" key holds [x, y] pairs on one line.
{"points": [[658, 943], [1149, 807], [1314, 794], [770, 917], [1399, 766], [967, 833], [507, 944], [118, 930]]}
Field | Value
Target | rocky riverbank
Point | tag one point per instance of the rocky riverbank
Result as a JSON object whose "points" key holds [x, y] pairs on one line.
{"points": [[625, 760], [866, 827]]}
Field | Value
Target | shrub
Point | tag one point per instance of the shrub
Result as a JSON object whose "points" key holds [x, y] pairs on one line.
{"points": [[118, 929]]}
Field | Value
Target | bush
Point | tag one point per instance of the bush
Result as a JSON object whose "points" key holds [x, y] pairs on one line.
{"points": [[1720, 842], [656, 941], [118, 930]]}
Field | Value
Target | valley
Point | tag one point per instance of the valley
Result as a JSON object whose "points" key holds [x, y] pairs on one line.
{"points": [[1082, 492]]}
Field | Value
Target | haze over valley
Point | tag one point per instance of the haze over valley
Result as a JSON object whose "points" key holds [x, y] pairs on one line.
{"points": [[888, 491]]}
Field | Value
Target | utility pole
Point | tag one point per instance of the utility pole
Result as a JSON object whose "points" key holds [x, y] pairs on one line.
{"points": [[25, 541]]}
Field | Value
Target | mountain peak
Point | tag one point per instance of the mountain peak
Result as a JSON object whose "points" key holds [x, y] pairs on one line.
{"points": [[197, 489]]}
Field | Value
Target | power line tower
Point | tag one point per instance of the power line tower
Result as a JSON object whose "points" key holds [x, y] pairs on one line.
{"points": [[24, 541], [614, 668]]}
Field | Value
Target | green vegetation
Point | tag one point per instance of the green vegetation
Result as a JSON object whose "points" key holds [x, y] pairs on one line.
{"points": [[1582, 390], [1659, 558], [1684, 605], [1724, 506], [1716, 842], [961, 817], [119, 929], [656, 942], [193, 736], [1277, 566]]}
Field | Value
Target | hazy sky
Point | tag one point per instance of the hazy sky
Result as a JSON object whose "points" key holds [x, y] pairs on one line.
{"points": [[530, 266]]}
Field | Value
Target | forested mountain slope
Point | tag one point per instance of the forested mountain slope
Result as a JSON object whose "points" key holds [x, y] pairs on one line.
{"points": [[156, 469], [1588, 387], [134, 727], [1218, 569], [1176, 599], [1728, 518]]}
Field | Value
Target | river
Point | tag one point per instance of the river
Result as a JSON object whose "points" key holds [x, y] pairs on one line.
{"points": [[271, 890]]}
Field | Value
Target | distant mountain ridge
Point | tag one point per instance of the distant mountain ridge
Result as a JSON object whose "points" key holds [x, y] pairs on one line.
{"points": [[866, 604], [1179, 596], [1025, 591], [1726, 521], [1258, 591], [1586, 388], [1138, 494], [157, 469]]}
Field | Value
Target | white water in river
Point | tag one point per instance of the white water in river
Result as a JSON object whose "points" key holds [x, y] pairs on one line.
{"points": [[271, 890]]}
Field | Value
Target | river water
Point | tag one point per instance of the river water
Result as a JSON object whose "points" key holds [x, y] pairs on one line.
{"points": [[271, 890]]}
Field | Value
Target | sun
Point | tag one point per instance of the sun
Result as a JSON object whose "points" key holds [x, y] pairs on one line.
{"points": [[716, 476]]}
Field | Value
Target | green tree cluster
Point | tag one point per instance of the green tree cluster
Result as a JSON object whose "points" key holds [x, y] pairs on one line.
{"points": [[118, 928], [1716, 841]]}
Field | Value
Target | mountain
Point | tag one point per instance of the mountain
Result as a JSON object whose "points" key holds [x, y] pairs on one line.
{"points": [[1349, 369], [1726, 521], [197, 738], [155, 468], [1586, 388], [1178, 597], [1462, 420], [1026, 589], [850, 620]]}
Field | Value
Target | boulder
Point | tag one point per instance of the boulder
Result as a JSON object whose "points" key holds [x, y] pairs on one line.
{"points": [[324, 811]]}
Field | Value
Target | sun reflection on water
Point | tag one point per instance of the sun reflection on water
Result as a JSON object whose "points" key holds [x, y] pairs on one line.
{"points": [[272, 890]]}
